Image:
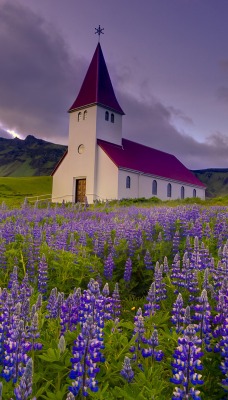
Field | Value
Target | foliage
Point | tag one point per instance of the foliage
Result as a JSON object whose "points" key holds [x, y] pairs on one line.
{"points": [[60, 255]]}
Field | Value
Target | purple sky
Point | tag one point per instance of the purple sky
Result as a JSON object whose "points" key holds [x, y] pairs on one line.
{"points": [[168, 62]]}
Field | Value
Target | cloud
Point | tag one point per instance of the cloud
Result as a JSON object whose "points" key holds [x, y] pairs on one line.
{"points": [[150, 123], [5, 134], [39, 80], [223, 93], [38, 76]]}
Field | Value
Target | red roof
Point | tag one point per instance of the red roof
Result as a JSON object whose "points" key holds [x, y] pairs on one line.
{"points": [[137, 157], [97, 86]]}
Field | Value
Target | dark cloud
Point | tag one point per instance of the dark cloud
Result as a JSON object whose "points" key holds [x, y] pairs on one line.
{"points": [[150, 124], [224, 65], [179, 114], [39, 80], [38, 77], [5, 134], [223, 93]]}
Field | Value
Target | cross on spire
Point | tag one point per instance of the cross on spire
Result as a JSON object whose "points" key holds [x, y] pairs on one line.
{"points": [[99, 31]]}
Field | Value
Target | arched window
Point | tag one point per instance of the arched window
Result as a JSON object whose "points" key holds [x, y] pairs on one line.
{"points": [[194, 192], [112, 118], [85, 114], [169, 190], [128, 182], [79, 116], [154, 187], [106, 116], [182, 192]]}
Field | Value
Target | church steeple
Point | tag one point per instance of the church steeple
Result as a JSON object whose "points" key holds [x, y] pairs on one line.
{"points": [[97, 86]]}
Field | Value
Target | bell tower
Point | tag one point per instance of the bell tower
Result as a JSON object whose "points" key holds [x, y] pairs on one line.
{"points": [[95, 114]]}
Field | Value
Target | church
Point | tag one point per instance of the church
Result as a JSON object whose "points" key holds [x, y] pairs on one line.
{"points": [[102, 165]]}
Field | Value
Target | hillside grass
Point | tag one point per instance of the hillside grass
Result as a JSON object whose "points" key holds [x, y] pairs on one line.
{"points": [[14, 190]]}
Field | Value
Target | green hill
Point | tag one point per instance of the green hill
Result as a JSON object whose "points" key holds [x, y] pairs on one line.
{"points": [[216, 180], [29, 157], [14, 190]]}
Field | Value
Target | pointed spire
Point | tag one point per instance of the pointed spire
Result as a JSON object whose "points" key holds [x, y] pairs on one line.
{"points": [[97, 86]]}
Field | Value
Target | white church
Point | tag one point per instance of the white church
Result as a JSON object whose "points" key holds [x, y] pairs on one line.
{"points": [[101, 165]]}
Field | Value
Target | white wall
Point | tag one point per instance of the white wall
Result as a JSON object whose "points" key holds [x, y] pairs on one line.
{"points": [[62, 183], [107, 177], [141, 186], [107, 130]]}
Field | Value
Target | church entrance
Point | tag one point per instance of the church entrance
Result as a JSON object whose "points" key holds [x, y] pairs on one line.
{"points": [[80, 191]]}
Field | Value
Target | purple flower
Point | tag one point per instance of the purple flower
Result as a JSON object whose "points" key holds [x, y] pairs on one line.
{"points": [[108, 267], [24, 390], [128, 270], [127, 372], [186, 362]]}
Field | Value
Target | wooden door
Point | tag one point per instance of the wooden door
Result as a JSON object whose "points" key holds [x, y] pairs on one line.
{"points": [[80, 190]]}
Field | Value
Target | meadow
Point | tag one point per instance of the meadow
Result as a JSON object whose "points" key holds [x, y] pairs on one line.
{"points": [[14, 190], [114, 301]]}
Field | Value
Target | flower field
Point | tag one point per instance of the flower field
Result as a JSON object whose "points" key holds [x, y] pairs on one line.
{"points": [[114, 303]]}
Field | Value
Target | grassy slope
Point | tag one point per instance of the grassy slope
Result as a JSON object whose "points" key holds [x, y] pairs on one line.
{"points": [[29, 157], [14, 190], [216, 181]]}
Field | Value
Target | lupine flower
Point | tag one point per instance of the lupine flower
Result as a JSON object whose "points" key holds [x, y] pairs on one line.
{"points": [[178, 313], [108, 267], [223, 346], [148, 260], [152, 351], [24, 390], [128, 270], [160, 286], [203, 315], [86, 355], [15, 354], [42, 276], [176, 242], [127, 372], [186, 362], [116, 302], [152, 305], [138, 332], [70, 396]]}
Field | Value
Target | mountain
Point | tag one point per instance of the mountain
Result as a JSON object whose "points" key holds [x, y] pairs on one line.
{"points": [[28, 157], [216, 180], [36, 157]]}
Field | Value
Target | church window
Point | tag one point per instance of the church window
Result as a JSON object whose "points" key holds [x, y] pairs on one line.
{"points": [[79, 116], [194, 192], [169, 190], [85, 114], [112, 118], [182, 192], [106, 116], [128, 182], [154, 187]]}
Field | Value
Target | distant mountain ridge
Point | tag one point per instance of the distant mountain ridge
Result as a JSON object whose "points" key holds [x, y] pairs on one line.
{"points": [[216, 180], [28, 157], [37, 157]]}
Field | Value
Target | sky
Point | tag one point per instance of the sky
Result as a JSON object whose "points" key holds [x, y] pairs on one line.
{"points": [[167, 59]]}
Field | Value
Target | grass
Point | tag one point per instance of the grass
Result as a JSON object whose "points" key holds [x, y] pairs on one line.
{"points": [[14, 190]]}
